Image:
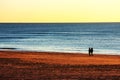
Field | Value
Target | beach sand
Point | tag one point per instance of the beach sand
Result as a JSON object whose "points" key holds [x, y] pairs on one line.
{"points": [[21, 65]]}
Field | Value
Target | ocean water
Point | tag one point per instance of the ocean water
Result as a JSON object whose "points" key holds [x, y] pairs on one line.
{"points": [[77, 37]]}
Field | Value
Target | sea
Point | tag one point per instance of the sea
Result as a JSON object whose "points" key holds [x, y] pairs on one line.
{"points": [[104, 38]]}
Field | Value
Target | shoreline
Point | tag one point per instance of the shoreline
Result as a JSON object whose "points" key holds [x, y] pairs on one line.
{"points": [[65, 52]]}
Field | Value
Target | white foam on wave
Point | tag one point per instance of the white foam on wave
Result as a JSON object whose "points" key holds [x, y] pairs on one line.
{"points": [[59, 49]]}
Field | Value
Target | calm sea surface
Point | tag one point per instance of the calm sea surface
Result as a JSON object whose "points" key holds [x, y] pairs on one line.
{"points": [[103, 37]]}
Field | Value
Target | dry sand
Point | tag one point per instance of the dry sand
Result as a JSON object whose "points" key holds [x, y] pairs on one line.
{"points": [[19, 65]]}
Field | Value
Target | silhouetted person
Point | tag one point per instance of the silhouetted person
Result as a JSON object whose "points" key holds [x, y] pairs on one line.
{"points": [[91, 51]]}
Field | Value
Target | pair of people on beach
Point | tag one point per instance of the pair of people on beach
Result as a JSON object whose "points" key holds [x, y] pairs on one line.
{"points": [[90, 51]]}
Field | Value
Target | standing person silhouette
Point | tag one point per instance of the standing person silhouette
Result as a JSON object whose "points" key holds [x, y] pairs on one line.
{"points": [[91, 51]]}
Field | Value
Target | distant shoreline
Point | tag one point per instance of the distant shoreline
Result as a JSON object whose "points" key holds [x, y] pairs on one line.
{"points": [[52, 52]]}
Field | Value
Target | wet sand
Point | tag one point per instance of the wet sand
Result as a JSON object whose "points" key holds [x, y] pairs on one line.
{"points": [[19, 65]]}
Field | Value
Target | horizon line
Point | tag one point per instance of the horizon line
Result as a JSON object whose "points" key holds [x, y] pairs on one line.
{"points": [[52, 22]]}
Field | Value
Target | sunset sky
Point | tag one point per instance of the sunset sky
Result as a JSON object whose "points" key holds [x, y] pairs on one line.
{"points": [[59, 10]]}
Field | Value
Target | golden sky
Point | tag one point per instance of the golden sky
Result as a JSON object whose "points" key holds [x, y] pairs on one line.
{"points": [[59, 10]]}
